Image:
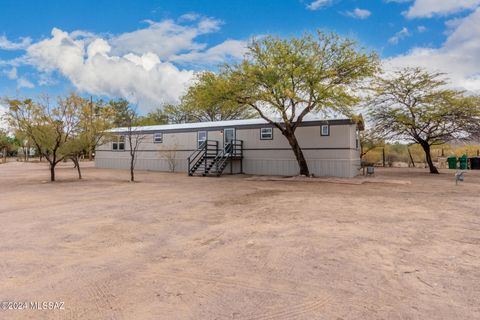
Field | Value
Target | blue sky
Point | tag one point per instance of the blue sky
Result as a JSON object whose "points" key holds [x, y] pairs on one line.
{"points": [[148, 51]]}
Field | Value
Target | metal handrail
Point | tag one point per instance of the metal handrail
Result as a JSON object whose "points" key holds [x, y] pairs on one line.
{"points": [[197, 155], [233, 149], [220, 159], [237, 148]]}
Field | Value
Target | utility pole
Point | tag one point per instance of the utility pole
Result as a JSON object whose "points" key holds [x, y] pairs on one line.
{"points": [[91, 122]]}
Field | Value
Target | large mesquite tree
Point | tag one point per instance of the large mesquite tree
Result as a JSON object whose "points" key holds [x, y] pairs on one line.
{"points": [[70, 128], [414, 105], [284, 80], [48, 127]]}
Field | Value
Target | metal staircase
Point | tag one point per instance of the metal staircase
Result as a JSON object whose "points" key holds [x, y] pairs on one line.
{"points": [[209, 160]]}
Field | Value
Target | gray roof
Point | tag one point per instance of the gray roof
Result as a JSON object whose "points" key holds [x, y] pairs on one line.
{"points": [[222, 124]]}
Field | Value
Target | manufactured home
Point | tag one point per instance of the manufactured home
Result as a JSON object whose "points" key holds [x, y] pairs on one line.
{"points": [[331, 148]]}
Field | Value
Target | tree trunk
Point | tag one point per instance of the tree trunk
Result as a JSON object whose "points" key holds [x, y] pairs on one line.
{"points": [[428, 157], [4, 155], [302, 163], [132, 167], [411, 158], [79, 171], [383, 156], [52, 172], [77, 165]]}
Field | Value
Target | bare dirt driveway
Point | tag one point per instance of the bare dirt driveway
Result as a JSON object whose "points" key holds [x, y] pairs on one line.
{"points": [[178, 247]]}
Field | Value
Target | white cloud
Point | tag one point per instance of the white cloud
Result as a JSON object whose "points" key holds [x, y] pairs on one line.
{"points": [[400, 35], [458, 56], [150, 66], [46, 79], [164, 38], [192, 16], [11, 74], [319, 4], [6, 44], [24, 83], [430, 8], [358, 13], [142, 79], [421, 29], [227, 50]]}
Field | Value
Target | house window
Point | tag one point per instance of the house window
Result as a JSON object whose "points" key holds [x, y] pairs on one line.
{"points": [[158, 137], [324, 130], [201, 138], [266, 133], [118, 143]]}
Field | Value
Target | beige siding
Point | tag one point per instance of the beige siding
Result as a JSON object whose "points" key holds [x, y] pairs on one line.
{"points": [[333, 155], [308, 137]]}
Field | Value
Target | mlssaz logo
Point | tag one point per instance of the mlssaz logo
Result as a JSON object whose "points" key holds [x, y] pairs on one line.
{"points": [[50, 305]]}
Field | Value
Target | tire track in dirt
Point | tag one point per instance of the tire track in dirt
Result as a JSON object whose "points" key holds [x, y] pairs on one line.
{"points": [[98, 296], [291, 311], [224, 302], [229, 283]]}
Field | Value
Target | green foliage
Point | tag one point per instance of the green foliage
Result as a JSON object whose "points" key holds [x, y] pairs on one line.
{"points": [[120, 111], [284, 80], [176, 114], [72, 127], [95, 118], [6, 142], [296, 76], [155, 117], [414, 105], [206, 101], [48, 128], [398, 152], [370, 140]]}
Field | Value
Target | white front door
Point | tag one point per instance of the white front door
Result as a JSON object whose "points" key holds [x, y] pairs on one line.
{"points": [[228, 136]]}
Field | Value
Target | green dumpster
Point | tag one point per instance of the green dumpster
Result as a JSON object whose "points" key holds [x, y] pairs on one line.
{"points": [[463, 162], [452, 162]]}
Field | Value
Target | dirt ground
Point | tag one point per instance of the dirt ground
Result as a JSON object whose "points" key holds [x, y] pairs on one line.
{"points": [[405, 246]]}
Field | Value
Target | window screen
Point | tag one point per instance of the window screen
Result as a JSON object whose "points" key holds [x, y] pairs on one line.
{"points": [[266, 133], [157, 137], [325, 130]]}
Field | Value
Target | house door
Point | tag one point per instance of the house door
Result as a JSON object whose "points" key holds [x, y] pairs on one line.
{"points": [[228, 136]]}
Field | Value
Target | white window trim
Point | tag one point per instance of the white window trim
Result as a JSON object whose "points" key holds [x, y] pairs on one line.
{"points": [[156, 135], [269, 134], [117, 141], [328, 130], [198, 137]]}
